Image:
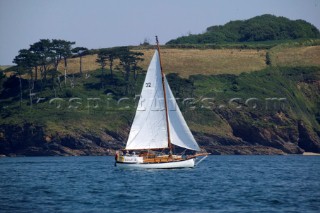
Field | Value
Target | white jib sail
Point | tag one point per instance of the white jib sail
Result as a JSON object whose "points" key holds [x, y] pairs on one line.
{"points": [[180, 133], [148, 130]]}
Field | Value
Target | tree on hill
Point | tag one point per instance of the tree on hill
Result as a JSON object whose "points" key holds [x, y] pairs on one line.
{"points": [[26, 60], [129, 61], [260, 28], [110, 55], [102, 61], [24, 63], [62, 49], [43, 50], [135, 67], [44, 55], [80, 52], [57, 54]]}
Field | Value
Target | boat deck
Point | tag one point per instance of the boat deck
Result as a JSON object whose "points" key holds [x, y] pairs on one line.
{"points": [[162, 159]]}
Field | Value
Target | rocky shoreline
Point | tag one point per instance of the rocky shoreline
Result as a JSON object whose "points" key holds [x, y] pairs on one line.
{"points": [[31, 140]]}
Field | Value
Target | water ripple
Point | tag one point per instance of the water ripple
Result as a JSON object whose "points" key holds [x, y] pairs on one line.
{"points": [[219, 184]]}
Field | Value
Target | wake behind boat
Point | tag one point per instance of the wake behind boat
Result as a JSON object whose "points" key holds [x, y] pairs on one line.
{"points": [[159, 137]]}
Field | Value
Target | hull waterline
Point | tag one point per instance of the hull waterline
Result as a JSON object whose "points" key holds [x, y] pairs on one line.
{"points": [[190, 163]]}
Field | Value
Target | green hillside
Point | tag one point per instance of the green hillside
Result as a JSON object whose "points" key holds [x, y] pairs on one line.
{"points": [[260, 28], [272, 111], [250, 93]]}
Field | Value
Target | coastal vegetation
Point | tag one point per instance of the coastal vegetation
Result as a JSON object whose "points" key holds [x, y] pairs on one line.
{"points": [[239, 97], [260, 28]]}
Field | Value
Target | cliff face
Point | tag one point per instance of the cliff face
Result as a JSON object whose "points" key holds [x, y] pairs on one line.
{"points": [[32, 140], [251, 138], [245, 138]]}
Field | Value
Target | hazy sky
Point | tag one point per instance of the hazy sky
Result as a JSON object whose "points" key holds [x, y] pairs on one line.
{"points": [[106, 23]]}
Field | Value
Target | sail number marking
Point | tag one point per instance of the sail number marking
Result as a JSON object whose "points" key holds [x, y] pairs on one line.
{"points": [[148, 84]]}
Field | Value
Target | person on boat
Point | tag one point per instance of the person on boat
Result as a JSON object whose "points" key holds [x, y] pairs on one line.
{"points": [[116, 156]]}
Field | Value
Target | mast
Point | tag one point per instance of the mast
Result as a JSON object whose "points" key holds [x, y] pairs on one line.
{"points": [[164, 97]]}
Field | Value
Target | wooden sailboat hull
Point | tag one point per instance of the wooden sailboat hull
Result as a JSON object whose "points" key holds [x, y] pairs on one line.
{"points": [[190, 163]]}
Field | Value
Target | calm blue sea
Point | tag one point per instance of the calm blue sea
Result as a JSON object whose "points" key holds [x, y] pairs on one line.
{"points": [[218, 184]]}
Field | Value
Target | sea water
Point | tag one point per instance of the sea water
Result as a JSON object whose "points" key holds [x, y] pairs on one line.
{"points": [[218, 184]]}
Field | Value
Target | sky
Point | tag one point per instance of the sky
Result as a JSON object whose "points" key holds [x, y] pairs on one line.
{"points": [[109, 23]]}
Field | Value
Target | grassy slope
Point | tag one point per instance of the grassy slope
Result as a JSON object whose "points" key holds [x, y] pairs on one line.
{"points": [[296, 56], [188, 62]]}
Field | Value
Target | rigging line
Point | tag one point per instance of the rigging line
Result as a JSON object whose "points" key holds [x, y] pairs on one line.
{"points": [[201, 159], [184, 151]]}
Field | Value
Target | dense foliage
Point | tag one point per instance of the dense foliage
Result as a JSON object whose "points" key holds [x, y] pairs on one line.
{"points": [[260, 28], [264, 107]]}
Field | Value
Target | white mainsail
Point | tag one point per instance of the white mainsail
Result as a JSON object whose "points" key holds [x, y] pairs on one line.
{"points": [[148, 130]]}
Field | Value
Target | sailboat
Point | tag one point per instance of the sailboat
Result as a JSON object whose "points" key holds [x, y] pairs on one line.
{"points": [[159, 130]]}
